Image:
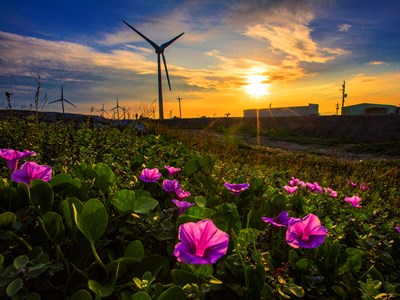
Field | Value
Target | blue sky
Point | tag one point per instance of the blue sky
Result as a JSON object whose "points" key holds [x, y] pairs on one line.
{"points": [[234, 55]]}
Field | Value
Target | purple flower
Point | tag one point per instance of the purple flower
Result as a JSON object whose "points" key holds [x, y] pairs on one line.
{"points": [[397, 228], [13, 156], [363, 186], [150, 175], [351, 183], [31, 170], [306, 232], [171, 186], [290, 189], [281, 220], [330, 192], [236, 188], [181, 194], [295, 181], [201, 243], [172, 170], [182, 205], [353, 201], [314, 187]]}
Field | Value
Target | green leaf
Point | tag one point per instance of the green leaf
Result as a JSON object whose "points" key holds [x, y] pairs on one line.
{"points": [[14, 287], [227, 218], [81, 295], [246, 237], [173, 293], [104, 290], [84, 171], [140, 296], [92, 221], [42, 195], [200, 201], [293, 258], [20, 262], [104, 176], [144, 205], [305, 264], [67, 211], [340, 291], [35, 296], [7, 220], [195, 214], [54, 226], [134, 249], [278, 204], [191, 167], [60, 182], [206, 164], [181, 277], [123, 201]]}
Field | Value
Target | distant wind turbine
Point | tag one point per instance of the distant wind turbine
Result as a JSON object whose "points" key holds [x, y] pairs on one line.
{"points": [[62, 100], [117, 108], [102, 110], [160, 51]]}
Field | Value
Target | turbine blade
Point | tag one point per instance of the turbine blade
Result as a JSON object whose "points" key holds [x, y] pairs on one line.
{"points": [[166, 70], [165, 45], [55, 101], [69, 102], [155, 46]]}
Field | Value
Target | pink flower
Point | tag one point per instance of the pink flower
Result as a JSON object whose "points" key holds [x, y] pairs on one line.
{"points": [[201, 243], [236, 188], [306, 232], [182, 205], [171, 186], [172, 170], [13, 156], [150, 175], [290, 189], [31, 170], [181, 194], [397, 228], [281, 220], [314, 187], [351, 183], [353, 201], [295, 181], [330, 192], [363, 186]]}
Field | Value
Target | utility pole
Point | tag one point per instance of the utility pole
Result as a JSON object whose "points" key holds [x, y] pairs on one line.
{"points": [[344, 95], [180, 112], [337, 108]]}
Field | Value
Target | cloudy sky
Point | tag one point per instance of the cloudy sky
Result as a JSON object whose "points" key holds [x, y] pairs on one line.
{"points": [[233, 55]]}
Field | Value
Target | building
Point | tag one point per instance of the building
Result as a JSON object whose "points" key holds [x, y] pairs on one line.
{"points": [[370, 109], [293, 111]]}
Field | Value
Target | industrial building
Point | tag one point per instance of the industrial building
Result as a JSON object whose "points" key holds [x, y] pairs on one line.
{"points": [[370, 109], [292, 111]]}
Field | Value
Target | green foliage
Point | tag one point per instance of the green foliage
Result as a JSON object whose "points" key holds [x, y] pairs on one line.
{"points": [[96, 231]]}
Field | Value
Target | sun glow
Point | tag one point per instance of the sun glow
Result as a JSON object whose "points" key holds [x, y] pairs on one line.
{"points": [[256, 85]]}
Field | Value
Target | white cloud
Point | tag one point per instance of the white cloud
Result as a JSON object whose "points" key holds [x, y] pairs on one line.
{"points": [[344, 27]]}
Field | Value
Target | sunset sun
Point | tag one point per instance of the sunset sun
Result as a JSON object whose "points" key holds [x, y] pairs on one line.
{"points": [[256, 86]]}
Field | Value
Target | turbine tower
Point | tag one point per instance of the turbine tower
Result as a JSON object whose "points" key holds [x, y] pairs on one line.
{"points": [[102, 110], [62, 100], [160, 51]]}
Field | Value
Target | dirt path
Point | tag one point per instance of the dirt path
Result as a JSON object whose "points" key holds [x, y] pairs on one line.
{"points": [[338, 152]]}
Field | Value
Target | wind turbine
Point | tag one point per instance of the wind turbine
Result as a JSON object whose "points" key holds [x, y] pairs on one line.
{"points": [[117, 108], [62, 100], [102, 110], [160, 51]]}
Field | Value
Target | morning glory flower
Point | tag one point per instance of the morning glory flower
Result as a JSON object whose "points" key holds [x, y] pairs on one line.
{"points": [[397, 228], [236, 188], [172, 170], [290, 189], [182, 205], [363, 186], [281, 220], [31, 170], [201, 243], [181, 194], [351, 183], [353, 201], [170, 186], [330, 192], [13, 156], [306, 232], [150, 175], [314, 187], [295, 181]]}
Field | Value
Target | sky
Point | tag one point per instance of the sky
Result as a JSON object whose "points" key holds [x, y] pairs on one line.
{"points": [[233, 55]]}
